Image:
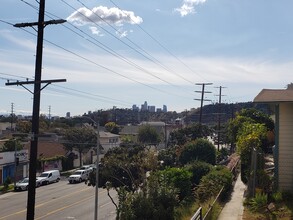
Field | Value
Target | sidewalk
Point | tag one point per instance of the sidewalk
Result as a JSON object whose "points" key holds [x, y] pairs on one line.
{"points": [[233, 210]]}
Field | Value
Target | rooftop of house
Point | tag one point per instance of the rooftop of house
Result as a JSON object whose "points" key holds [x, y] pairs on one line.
{"points": [[48, 149], [275, 95]]}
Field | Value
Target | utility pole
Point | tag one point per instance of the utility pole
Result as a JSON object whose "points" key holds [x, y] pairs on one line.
{"points": [[36, 103], [202, 98], [49, 112], [12, 116], [219, 114]]}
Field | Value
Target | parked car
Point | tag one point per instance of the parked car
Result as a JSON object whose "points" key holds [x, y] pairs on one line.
{"points": [[87, 167], [50, 176], [78, 176], [23, 184]]}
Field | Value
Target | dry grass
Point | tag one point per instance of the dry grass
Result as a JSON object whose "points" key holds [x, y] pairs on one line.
{"points": [[282, 212]]}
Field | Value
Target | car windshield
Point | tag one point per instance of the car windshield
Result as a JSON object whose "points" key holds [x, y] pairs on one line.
{"points": [[25, 180], [78, 172], [43, 175]]}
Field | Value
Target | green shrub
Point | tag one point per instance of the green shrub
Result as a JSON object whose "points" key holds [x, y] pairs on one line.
{"points": [[6, 183], [198, 170], [200, 149], [259, 202], [179, 178], [211, 184], [277, 197]]}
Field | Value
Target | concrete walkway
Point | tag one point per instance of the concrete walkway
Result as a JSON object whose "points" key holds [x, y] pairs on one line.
{"points": [[233, 210]]}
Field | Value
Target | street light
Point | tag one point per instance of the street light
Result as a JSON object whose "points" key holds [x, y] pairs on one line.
{"points": [[97, 167]]}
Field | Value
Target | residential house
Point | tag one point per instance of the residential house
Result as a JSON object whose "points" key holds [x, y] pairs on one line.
{"points": [[108, 141], [281, 101], [50, 152]]}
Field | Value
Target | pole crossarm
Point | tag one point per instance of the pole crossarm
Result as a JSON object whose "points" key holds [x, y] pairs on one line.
{"points": [[18, 83], [34, 82], [31, 24]]}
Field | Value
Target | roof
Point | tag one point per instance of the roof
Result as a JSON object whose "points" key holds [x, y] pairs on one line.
{"points": [[274, 95], [104, 134], [153, 123], [48, 149]]}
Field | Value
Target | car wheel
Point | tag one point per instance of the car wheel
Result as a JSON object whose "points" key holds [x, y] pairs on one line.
{"points": [[58, 179], [80, 180]]}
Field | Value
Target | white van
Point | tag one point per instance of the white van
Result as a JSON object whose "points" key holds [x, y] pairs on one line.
{"points": [[49, 177]]}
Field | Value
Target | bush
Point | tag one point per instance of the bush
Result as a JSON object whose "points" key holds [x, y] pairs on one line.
{"points": [[198, 170], [200, 149], [179, 178], [7, 182], [211, 184], [259, 202]]}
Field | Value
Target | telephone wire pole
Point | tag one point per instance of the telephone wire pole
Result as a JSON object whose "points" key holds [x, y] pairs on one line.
{"points": [[36, 103]]}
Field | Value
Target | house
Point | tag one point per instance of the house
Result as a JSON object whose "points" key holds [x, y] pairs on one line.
{"points": [[281, 101], [50, 155], [108, 141]]}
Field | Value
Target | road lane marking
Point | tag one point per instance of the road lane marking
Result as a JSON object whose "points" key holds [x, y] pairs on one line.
{"points": [[64, 207], [42, 204]]}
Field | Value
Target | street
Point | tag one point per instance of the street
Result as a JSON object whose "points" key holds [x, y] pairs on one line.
{"points": [[59, 201]]}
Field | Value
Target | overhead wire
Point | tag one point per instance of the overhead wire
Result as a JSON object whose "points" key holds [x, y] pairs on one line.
{"points": [[78, 93], [88, 60], [162, 46], [153, 60], [106, 49]]}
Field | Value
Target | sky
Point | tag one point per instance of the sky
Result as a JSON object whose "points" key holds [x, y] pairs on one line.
{"points": [[120, 53]]}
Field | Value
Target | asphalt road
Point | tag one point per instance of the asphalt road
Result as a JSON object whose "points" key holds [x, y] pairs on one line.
{"points": [[59, 201]]}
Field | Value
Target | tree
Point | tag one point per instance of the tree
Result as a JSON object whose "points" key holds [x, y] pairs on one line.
{"points": [[251, 116], [11, 144], [23, 126], [81, 139], [189, 133], [250, 136], [157, 199], [148, 135], [112, 127], [258, 117], [200, 149], [124, 167]]}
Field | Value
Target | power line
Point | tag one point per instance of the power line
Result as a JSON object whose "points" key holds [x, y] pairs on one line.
{"points": [[162, 46]]}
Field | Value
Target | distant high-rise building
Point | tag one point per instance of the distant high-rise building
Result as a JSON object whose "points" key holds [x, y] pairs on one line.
{"points": [[67, 114], [159, 110], [135, 108], [152, 108], [144, 107], [164, 108]]}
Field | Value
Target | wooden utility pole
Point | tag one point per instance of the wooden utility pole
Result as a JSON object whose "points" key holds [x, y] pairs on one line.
{"points": [[202, 98], [219, 115], [36, 103]]}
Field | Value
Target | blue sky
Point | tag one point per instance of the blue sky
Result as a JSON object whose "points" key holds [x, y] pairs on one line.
{"points": [[120, 53]]}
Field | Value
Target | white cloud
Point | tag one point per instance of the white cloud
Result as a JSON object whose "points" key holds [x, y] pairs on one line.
{"points": [[96, 31], [100, 14], [188, 7]]}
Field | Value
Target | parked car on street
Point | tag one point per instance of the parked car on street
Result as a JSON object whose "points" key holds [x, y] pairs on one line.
{"points": [[87, 167], [23, 184], [49, 177], [79, 176]]}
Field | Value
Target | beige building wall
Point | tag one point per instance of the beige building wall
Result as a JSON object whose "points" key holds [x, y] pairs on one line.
{"points": [[286, 147]]}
